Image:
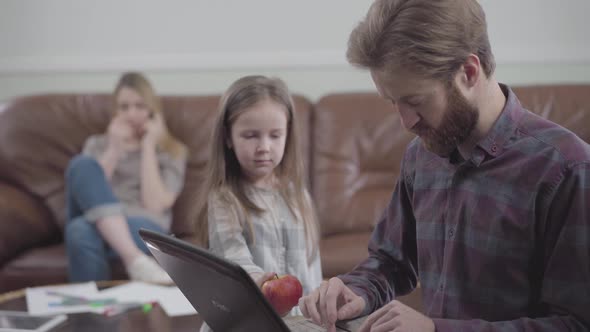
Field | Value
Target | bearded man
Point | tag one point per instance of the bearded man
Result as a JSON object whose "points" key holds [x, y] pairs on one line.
{"points": [[491, 211]]}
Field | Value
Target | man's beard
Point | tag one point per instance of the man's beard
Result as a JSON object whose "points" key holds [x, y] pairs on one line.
{"points": [[459, 121]]}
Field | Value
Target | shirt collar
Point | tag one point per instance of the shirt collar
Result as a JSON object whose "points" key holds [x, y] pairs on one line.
{"points": [[494, 143]]}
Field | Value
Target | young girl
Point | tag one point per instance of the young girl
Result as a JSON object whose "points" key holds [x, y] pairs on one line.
{"points": [[125, 179], [258, 211]]}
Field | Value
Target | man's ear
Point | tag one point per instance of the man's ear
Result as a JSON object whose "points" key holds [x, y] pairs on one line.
{"points": [[470, 72]]}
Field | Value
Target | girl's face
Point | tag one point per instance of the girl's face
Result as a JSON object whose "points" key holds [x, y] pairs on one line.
{"points": [[133, 109], [258, 137]]}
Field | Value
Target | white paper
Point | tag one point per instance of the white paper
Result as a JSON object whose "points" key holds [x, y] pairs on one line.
{"points": [[171, 299], [41, 302]]}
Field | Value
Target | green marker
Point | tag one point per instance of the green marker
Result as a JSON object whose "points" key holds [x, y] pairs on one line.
{"points": [[147, 307]]}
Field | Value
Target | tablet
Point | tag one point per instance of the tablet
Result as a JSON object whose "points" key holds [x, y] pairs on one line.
{"points": [[18, 321], [221, 291]]}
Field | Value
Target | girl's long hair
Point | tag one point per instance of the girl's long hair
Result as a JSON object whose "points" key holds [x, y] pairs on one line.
{"points": [[224, 177]]}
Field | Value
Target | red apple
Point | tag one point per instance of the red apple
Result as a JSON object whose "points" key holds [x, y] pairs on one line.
{"points": [[283, 293]]}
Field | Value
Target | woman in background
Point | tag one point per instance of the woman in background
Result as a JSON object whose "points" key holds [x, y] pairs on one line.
{"points": [[125, 179]]}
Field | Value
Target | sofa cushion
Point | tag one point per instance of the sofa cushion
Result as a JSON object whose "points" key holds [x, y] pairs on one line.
{"points": [[358, 145], [40, 134], [566, 105], [24, 223], [38, 137], [342, 252]]}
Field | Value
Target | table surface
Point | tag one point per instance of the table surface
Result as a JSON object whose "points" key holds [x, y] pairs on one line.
{"points": [[133, 320], [136, 320]]}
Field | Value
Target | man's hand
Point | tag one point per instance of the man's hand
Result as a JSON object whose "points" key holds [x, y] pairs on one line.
{"points": [[397, 317], [330, 302]]}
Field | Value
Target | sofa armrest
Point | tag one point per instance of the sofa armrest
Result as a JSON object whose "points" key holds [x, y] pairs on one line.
{"points": [[24, 222]]}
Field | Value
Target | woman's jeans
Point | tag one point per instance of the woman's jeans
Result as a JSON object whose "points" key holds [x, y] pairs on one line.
{"points": [[88, 194]]}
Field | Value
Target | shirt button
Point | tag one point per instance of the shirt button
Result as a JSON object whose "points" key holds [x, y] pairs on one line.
{"points": [[494, 148], [451, 232]]}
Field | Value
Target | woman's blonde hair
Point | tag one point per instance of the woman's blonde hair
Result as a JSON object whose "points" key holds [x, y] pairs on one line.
{"points": [[429, 38], [142, 86], [224, 176]]}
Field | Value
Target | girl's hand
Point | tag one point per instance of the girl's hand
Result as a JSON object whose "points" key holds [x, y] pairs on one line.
{"points": [[263, 277], [153, 129]]}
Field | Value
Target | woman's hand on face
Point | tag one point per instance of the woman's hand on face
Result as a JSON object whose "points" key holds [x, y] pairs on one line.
{"points": [[119, 133], [153, 129]]}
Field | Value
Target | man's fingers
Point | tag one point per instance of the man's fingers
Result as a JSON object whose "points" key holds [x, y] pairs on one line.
{"points": [[388, 321], [312, 304], [303, 307], [368, 323], [334, 291], [351, 309], [322, 302], [308, 306], [386, 315]]}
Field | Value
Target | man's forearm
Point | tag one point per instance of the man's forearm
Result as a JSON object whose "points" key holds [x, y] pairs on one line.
{"points": [[378, 282]]}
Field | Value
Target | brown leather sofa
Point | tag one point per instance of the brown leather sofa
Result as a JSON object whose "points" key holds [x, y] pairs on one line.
{"points": [[353, 143]]}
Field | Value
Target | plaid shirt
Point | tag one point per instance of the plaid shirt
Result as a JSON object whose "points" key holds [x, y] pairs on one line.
{"points": [[500, 242]]}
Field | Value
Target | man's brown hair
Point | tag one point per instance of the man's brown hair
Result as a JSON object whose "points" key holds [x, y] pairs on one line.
{"points": [[431, 38]]}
